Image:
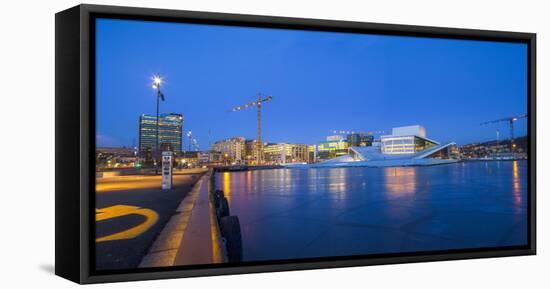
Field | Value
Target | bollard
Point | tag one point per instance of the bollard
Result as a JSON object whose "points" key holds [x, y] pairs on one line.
{"points": [[231, 232], [217, 196], [222, 210], [212, 184]]}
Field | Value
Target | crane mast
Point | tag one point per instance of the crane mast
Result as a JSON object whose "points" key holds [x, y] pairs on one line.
{"points": [[259, 149]]}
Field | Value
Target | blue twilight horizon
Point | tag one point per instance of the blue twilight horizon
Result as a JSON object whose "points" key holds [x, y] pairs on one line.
{"points": [[320, 82]]}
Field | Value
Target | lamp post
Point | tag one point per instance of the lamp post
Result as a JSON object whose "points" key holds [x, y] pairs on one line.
{"points": [[157, 81]]}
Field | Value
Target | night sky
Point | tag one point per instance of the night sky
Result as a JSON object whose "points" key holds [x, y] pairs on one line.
{"points": [[320, 82]]}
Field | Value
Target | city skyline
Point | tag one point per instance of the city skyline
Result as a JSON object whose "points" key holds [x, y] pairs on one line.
{"points": [[320, 82]]}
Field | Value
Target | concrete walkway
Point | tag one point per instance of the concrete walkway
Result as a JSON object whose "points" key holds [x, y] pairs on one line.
{"points": [[202, 240], [191, 236], [130, 215]]}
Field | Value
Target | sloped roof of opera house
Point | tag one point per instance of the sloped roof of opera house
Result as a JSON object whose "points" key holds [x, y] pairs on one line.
{"points": [[373, 153]]}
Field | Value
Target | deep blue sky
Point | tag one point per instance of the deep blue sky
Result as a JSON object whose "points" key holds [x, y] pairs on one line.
{"points": [[320, 82]]}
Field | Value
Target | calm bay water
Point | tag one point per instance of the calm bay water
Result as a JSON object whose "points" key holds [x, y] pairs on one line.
{"points": [[305, 213]]}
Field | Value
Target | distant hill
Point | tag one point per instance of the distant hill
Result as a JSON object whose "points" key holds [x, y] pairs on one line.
{"points": [[521, 142], [490, 147]]}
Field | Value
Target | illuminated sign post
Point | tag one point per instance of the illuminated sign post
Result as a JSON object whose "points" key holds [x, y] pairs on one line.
{"points": [[166, 170]]}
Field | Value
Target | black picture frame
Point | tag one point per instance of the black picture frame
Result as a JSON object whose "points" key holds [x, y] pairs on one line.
{"points": [[75, 141]]}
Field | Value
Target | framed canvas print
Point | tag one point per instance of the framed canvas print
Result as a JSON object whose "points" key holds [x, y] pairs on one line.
{"points": [[193, 144]]}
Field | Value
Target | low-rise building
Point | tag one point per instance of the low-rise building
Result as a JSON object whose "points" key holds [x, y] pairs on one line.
{"points": [[116, 157], [251, 151], [232, 149], [333, 146], [312, 154], [283, 153], [187, 159], [210, 158]]}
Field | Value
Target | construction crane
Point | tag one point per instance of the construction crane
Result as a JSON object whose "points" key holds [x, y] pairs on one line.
{"points": [[510, 121], [257, 104]]}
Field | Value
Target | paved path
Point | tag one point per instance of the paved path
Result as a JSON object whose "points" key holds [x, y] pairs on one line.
{"points": [[133, 200], [191, 236]]}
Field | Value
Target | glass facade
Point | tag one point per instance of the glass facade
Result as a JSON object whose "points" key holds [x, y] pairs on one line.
{"points": [[170, 132], [332, 148], [405, 144], [312, 153], [421, 144], [359, 140]]}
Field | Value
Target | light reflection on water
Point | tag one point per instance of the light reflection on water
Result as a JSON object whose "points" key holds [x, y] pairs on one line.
{"points": [[249, 181], [227, 186], [517, 185], [338, 184], [506, 179], [400, 180], [291, 213]]}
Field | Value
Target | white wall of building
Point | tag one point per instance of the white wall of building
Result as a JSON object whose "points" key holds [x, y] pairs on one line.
{"points": [[417, 130]]}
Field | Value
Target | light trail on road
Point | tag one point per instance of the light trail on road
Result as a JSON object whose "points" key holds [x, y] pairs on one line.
{"points": [[119, 183]]}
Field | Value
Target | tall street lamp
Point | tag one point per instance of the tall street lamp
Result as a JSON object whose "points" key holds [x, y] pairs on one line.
{"points": [[157, 81]]}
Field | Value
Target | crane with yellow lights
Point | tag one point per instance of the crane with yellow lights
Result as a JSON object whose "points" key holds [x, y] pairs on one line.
{"points": [[257, 104], [510, 121]]}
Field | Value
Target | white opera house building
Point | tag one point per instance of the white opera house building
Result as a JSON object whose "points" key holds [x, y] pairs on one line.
{"points": [[406, 146]]}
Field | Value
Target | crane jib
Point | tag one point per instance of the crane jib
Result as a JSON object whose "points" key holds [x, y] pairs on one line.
{"points": [[258, 105]]}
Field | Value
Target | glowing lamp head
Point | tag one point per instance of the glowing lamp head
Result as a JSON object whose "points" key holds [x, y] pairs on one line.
{"points": [[157, 81]]}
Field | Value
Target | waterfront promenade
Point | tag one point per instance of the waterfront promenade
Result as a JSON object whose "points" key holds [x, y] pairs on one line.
{"points": [[140, 225], [130, 213], [192, 235], [289, 214]]}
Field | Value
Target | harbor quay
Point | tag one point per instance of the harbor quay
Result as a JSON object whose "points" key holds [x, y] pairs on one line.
{"points": [[140, 225], [131, 210], [286, 213]]}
